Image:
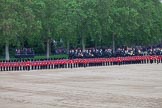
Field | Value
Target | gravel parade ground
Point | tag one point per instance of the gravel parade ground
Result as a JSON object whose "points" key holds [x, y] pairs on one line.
{"points": [[126, 86]]}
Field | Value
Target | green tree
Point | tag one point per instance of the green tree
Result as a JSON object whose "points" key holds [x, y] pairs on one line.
{"points": [[14, 18], [48, 12]]}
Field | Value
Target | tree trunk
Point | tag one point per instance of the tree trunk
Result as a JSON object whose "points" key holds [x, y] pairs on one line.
{"points": [[113, 39], [68, 45], [95, 44], [48, 49], [7, 55], [83, 44]]}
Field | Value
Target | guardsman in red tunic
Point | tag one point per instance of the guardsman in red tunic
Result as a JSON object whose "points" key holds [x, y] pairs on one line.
{"points": [[151, 59], [159, 58], [138, 60], [18, 65], [95, 62], [119, 61], [52, 64], [7, 66], [104, 61], [156, 59], [77, 63], [55, 64], [35, 65], [82, 62], [32, 65], [59, 63], [108, 61], [129, 60], [147, 59], [143, 59], [63, 63], [21, 65], [1, 66], [28, 65], [71, 63], [99, 62], [91, 62], [13, 65], [46, 63], [126, 60], [135, 60], [113, 61], [49, 64], [85, 63], [41, 63], [24, 65]]}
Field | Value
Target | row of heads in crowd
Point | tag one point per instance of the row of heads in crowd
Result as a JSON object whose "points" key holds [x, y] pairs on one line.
{"points": [[108, 52], [98, 52], [24, 51]]}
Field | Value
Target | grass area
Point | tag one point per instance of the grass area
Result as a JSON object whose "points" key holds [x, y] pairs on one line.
{"points": [[65, 56], [52, 56]]}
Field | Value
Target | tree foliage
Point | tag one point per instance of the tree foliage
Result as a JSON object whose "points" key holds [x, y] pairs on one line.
{"points": [[79, 23]]}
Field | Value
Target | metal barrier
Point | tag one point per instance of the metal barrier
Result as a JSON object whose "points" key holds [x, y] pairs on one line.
{"points": [[76, 63]]}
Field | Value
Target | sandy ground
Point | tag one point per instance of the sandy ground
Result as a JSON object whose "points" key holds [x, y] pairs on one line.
{"points": [[129, 86]]}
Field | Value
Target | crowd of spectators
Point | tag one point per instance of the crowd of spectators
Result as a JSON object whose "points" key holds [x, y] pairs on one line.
{"points": [[108, 52], [60, 51], [24, 53], [95, 52]]}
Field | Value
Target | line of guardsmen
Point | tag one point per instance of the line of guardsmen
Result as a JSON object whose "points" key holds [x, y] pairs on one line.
{"points": [[74, 63]]}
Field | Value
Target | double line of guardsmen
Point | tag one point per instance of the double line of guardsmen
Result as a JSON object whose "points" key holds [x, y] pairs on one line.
{"points": [[75, 63]]}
